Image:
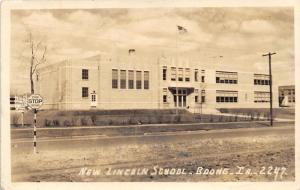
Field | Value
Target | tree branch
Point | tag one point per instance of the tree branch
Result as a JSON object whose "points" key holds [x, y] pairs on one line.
{"points": [[41, 61]]}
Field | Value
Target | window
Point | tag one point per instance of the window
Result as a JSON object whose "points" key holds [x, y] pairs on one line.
{"points": [[115, 78], [138, 80], [202, 78], [226, 77], [85, 74], [123, 79], [202, 96], [226, 96], [173, 74], [130, 79], [261, 97], [180, 74], [196, 99], [261, 79], [37, 77], [165, 95], [85, 92], [164, 73], [187, 75], [146, 79], [196, 75]]}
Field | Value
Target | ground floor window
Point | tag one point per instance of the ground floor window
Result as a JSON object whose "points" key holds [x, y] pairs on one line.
{"points": [[85, 92], [196, 99], [261, 97], [226, 96]]}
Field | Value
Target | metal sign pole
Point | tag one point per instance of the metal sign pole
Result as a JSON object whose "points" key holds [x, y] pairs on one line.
{"points": [[22, 118], [34, 131]]}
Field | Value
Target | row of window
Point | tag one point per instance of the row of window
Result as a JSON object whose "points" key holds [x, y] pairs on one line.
{"points": [[182, 74], [260, 97], [261, 79], [130, 79], [226, 77], [226, 96]]}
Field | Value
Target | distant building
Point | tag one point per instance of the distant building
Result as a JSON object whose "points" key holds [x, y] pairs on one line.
{"points": [[287, 96], [135, 82]]}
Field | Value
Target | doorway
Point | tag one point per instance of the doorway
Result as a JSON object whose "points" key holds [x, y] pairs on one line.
{"points": [[180, 95]]}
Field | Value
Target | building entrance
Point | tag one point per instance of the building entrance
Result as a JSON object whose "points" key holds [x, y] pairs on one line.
{"points": [[180, 98]]}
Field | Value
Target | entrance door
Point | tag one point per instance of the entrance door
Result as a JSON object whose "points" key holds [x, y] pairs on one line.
{"points": [[180, 96], [93, 99]]}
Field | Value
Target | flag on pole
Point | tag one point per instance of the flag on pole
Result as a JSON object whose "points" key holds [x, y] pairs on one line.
{"points": [[181, 29]]}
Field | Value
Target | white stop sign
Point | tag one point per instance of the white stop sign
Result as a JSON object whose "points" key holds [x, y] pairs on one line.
{"points": [[35, 101]]}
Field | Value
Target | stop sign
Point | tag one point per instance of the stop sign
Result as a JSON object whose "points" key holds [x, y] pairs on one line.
{"points": [[35, 101]]}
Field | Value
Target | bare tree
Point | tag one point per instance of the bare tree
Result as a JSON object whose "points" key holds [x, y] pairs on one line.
{"points": [[37, 58]]}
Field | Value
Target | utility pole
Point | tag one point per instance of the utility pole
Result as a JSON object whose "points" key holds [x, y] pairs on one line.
{"points": [[270, 84]]}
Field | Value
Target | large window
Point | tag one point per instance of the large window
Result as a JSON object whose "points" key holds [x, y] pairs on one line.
{"points": [[146, 79], [85, 92], [187, 74], [138, 80], [261, 97], [226, 96], [165, 73], [180, 74], [226, 77], [196, 73], [123, 79], [130, 79], [165, 95], [261, 79], [115, 78], [202, 96], [85, 74], [173, 73]]}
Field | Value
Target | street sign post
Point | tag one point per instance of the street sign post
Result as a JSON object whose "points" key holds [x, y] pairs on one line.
{"points": [[34, 101]]}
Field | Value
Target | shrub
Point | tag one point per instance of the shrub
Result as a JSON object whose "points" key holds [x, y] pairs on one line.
{"points": [[86, 121], [76, 121], [67, 123], [220, 118], [56, 122], [15, 119], [211, 119], [48, 123]]}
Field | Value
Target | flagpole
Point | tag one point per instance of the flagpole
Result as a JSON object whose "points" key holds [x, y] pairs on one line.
{"points": [[176, 81]]}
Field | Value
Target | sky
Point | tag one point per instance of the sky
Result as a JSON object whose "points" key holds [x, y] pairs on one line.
{"points": [[233, 37]]}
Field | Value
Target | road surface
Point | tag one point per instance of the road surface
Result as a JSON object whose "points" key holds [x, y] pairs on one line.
{"points": [[69, 157]]}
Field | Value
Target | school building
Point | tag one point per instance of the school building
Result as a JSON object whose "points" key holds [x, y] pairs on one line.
{"points": [[137, 82]]}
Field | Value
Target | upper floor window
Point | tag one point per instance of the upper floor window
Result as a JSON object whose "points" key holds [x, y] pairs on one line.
{"points": [[196, 75], [261, 79], [226, 77], [123, 79], [130, 79], [180, 74], [146, 79], [173, 74], [187, 74], [164, 73], [85, 92], [85, 74], [138, 80], [115, 78]]}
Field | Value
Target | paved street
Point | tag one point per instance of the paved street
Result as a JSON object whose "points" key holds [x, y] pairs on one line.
{"points": [[62, 157]]}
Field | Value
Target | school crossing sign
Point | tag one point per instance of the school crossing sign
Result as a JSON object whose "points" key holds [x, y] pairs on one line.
{"points": [[35, 101]]}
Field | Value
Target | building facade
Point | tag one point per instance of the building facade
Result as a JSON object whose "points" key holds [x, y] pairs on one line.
{"points": [[287, 96], [135, 82]]}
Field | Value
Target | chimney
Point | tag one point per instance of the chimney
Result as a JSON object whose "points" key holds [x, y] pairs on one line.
{"points": [[131, 51]]}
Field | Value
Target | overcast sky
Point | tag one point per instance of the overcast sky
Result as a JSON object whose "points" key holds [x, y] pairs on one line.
{"points": [[240, 35]]}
